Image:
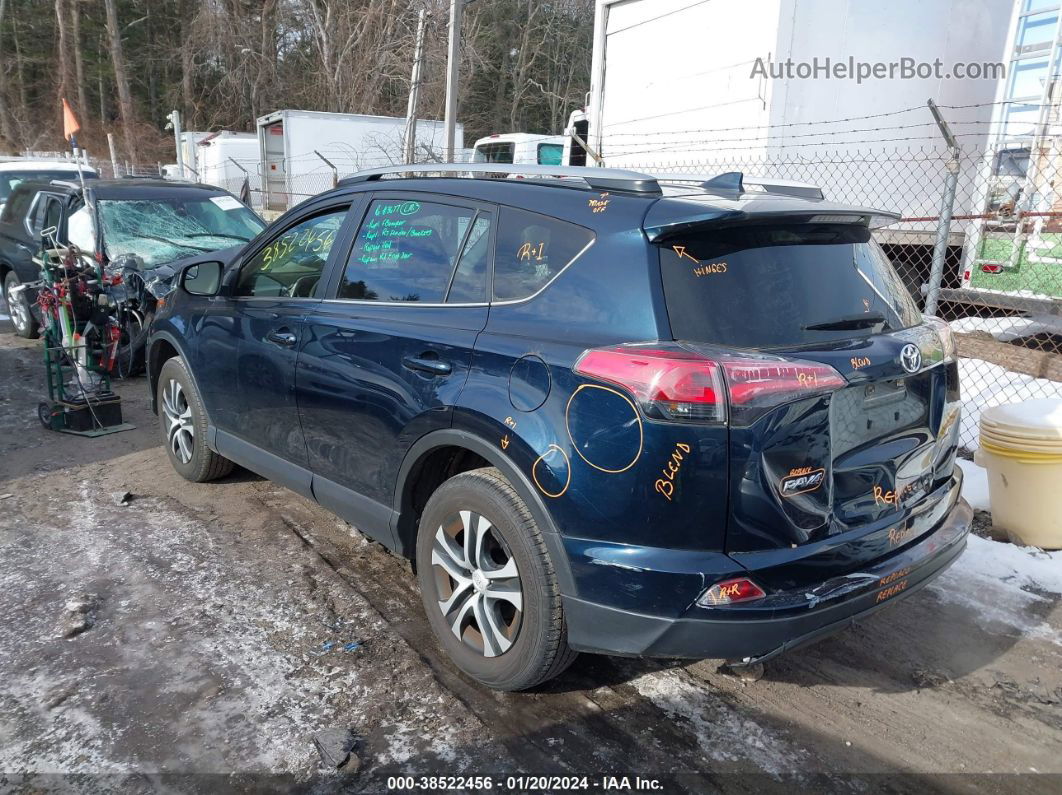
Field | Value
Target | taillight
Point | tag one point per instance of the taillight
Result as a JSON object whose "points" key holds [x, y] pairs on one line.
{"points": [[730, 592], [674, 383], [669, 384], [766, 384], [991, 269]]}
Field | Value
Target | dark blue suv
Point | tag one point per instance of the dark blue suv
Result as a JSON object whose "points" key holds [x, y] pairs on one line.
{"points": [[601, 411]]}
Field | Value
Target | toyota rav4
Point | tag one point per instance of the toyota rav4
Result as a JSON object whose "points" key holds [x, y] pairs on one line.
{"points": [[601, 411]]}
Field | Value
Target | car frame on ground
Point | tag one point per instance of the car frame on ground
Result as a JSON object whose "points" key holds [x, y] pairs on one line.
{"points": [[134, 227], [601, 411]]}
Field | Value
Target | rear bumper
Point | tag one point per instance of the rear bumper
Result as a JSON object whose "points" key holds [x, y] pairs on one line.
{"points": [[784, 621]]}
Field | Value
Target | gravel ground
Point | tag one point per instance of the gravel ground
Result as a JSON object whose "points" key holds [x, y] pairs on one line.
{"points": [[200, 637]]}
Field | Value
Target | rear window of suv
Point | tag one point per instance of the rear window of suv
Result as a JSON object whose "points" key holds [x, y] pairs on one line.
{"points": [[782, 286]]}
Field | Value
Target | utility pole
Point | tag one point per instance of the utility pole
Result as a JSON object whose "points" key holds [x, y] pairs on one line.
{"points": [[947, 203], [453, 63], [175, 123], [409, 139]]}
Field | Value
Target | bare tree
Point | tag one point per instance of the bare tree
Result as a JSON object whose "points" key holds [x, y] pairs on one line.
{"points": [[524, 63], [121, 79], [79, 59], [62, 57], [6, 132]]}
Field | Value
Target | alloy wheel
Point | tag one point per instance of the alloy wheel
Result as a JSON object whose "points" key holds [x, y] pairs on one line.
{"points": [[19, 313], [477, 583], [179, 428]]}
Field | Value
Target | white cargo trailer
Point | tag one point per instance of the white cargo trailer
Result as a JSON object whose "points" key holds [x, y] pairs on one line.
{"points": [[297, 146], [226, 158], [673, 85]]}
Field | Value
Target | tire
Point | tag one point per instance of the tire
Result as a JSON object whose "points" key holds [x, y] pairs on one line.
{"points": [[129, 357], [21, 315], [527, 639], [183, 423]]}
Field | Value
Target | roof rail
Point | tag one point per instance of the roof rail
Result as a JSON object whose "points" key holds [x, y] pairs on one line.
{"points": [[734, 183], [596, 178]]}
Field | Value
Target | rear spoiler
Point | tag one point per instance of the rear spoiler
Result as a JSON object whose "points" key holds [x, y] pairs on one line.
{"points": [[733, 184], [669, 218]]}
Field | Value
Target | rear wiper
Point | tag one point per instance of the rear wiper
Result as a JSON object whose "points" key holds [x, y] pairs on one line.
{"points": [[865, 320]]}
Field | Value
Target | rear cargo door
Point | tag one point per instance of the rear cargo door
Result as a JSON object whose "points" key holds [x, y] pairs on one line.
{"points": [[276, 175], [860, 460]]}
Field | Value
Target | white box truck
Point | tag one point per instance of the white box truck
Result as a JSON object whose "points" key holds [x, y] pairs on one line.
{"points": [[674, 86], [298, 146]]}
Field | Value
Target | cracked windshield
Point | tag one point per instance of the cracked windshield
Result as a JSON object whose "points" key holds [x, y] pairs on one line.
{"points": [[165, 229]]}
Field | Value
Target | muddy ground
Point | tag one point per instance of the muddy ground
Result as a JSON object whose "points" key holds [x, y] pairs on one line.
{"points": [[199, 637]]}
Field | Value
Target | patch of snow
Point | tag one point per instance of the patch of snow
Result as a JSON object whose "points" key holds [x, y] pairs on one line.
{"points": [[974, 484], [985, 384], [722, 733], [1004, 583]]}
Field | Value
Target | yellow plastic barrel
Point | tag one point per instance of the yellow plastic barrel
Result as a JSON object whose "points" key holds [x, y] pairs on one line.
{"points": [[1021, 448]]}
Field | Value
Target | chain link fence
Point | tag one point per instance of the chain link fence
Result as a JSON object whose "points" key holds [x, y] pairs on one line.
{"points": [[991, 218]]}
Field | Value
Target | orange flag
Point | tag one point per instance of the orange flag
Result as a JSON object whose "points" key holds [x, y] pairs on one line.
{"points": [[70, 125]]}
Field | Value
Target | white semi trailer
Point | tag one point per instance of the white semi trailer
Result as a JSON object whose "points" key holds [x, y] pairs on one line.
{"points": [[674, 84], [303, 151]]}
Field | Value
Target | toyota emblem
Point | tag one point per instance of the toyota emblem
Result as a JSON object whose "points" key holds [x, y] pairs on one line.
{"points": [[911, 358]]}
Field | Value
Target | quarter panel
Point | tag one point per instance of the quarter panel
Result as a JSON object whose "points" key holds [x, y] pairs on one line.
{"points": [[604, 471]]}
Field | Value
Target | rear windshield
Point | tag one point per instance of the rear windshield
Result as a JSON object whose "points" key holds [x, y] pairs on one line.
{"points": [[782, 286], [494, 153]]}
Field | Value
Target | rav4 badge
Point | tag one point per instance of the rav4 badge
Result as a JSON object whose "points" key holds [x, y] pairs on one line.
{"points": [[801, 481]]}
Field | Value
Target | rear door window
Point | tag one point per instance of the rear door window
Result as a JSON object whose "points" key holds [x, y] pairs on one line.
{"points": [[406, 252], [17, 206], [531, 250], [782, 286], [494, 153]]}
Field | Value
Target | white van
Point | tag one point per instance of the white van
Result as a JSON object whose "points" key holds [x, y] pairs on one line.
{"points": [[520, 148]]}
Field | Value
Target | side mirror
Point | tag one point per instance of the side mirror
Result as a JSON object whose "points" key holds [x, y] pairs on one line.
{"points": [[202, 278]]}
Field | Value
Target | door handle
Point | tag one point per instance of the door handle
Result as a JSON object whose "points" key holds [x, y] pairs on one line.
{"points": [[426, 364], [283, 337]]}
